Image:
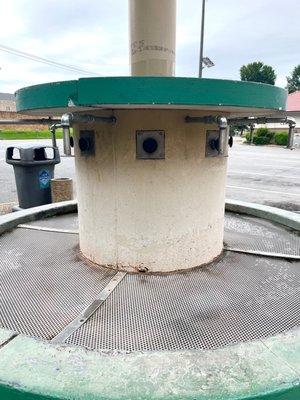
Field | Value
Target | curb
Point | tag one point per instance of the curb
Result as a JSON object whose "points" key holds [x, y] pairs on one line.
{"points": [[283, 217], [10, 221]]}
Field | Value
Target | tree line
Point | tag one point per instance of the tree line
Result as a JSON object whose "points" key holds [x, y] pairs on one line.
{"points": [[260, 72]]}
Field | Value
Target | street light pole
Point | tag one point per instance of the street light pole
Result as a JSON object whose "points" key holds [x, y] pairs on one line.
{"points": [[202, 40]]}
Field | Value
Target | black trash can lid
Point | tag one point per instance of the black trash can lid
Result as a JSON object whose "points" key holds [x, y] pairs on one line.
{"points": [[32, 155]]}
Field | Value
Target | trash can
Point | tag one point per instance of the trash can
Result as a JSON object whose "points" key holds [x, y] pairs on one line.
{"points": [[34, 169]]}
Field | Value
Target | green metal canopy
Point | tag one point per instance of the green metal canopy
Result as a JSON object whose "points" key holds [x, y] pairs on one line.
{"points": [[151, 92]]}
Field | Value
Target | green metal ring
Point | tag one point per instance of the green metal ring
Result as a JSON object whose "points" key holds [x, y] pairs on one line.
{"points": [[266, 369], [161, 92]]}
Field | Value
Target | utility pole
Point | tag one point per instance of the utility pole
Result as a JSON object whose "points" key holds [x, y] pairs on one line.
{"points": [[202, 40]]}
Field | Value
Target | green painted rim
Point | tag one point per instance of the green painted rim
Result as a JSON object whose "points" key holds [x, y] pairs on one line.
{"points": [[168, 92], [267, 369]]}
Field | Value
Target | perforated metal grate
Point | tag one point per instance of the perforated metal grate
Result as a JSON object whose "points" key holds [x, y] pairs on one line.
{"points": [[43, 283], [239, 298], [44, 286], [255, 234]]}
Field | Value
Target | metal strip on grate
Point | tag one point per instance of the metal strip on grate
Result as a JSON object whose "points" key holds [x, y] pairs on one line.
{"points": [[89, 311], [239, 298], [48, 229], [263, 253], [65, 221], [44, 285]]}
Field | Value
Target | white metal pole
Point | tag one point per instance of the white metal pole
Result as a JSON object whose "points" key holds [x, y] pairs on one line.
{"points": [[202, 40], [152, 37]]}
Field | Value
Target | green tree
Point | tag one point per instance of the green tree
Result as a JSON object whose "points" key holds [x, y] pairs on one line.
{"points": [[258, 72], [294, 80], [238, 128]]}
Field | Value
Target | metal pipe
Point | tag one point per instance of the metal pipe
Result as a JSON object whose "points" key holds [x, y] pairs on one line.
{"points": [[251, 132], [223, 129], [262, 120], [67, 120], [53, 133], [222, 122], [90, 119], [42, 121], [290, 144], [66, 123], [66, 140], [208, 119], [53, 137], [224, 135], [202, 40], [244, 120]]}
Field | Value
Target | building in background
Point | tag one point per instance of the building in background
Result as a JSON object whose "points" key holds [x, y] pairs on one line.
{"points": [[7, 103], [292, 110], [8, 111]]}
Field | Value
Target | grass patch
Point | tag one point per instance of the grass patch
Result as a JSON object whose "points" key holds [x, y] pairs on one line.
{"points": [[21, 135]]}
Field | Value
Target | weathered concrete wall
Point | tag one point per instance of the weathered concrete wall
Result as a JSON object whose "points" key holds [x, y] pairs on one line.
{"points": [[160, 214]]}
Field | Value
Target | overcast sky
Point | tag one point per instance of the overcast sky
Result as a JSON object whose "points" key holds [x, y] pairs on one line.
{"points": [[93, 35]]}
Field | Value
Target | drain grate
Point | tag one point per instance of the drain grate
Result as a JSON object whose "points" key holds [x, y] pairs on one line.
{"points": [[258, 235], [43, 285], [239, 298]]}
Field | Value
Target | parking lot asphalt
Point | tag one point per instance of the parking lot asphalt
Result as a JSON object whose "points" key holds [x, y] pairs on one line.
{"points": [[266, 175]]}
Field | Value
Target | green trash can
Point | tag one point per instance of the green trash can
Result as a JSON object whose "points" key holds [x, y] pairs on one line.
{"points": [[34, 169]]}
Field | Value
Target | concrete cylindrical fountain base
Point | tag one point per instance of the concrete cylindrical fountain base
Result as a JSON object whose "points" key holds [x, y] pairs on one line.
{"points": [[150, 214]]}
